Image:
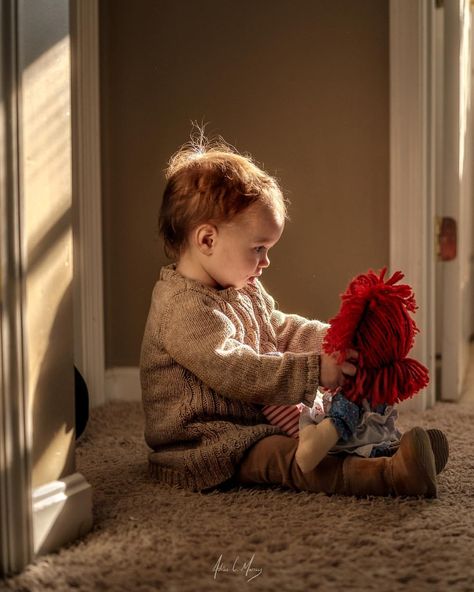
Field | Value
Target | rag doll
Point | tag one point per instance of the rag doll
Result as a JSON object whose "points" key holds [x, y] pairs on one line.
{"points": [[374, 319]]}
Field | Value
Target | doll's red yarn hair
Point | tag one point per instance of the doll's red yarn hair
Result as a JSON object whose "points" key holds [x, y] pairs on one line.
{"points": [[375, 320]]}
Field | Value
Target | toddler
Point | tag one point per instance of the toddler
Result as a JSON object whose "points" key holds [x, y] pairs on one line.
{"points": [[216, 349]]}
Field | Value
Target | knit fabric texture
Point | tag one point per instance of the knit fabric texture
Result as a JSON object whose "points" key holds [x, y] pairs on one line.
{"points": [[210, 360]]}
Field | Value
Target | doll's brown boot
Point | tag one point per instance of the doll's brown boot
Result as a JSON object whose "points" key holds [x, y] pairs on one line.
{"points": [[411, 471]]}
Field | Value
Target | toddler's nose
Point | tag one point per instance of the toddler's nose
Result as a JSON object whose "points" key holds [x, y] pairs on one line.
{"points": [[264, 261]]}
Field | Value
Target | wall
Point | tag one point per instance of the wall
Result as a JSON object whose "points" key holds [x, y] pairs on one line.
{"points": [[303, 86], [45, 188]]}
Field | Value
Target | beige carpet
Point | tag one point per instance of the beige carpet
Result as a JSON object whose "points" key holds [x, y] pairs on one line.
{"points": [[150, 537]]}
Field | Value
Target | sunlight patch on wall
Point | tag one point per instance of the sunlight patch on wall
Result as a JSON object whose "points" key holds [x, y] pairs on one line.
{"points": [[46, 189], [47, 137]]}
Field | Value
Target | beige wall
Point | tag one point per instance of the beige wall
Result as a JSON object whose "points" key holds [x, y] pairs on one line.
{"points": [[303, 86], [45, 186]]}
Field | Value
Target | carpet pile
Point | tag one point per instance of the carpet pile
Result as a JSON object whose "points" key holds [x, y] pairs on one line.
{"points": [[149, 537]]}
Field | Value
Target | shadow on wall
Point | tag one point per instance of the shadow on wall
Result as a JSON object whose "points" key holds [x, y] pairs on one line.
{"points": [[53, 401]]}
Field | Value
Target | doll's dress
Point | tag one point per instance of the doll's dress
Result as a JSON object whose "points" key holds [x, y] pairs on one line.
{"points": [[371, 431]]}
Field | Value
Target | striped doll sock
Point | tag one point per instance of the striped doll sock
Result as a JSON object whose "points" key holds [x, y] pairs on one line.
{"points": [[287, 417]]}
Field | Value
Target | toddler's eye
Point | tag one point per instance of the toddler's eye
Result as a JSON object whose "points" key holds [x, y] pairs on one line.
{"points": [[259, 249]]}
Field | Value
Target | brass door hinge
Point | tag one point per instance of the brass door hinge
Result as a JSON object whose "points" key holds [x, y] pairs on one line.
{"points": [[446, 237]]}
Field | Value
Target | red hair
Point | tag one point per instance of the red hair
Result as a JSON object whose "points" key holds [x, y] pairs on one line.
{"points": [[375, 320], [207, 181]]}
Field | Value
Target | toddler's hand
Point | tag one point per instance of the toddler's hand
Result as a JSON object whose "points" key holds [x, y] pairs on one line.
{"points": [[333, 375]]}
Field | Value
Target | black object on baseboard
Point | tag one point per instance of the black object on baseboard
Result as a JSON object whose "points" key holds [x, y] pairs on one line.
{"points": [[81, 396]]}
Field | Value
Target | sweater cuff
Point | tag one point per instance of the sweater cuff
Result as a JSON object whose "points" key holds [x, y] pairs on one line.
{"points": [[313, 379]]}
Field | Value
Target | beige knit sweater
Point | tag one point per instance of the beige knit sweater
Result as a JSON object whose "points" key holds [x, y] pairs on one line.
{"points": [[210, 360]]}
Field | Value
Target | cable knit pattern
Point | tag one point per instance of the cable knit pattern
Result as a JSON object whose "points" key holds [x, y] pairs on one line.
{"points": [[210, 360]]}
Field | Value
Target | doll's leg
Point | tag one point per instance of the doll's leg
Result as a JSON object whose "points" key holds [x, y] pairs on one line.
{"points": [[315, 441], [410, 471]]}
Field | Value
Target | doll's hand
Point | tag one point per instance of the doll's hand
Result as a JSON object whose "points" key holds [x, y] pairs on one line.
{"points": [[332, 375]]}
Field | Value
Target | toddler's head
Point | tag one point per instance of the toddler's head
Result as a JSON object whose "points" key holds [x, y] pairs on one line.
{"points": [[220, 214]]}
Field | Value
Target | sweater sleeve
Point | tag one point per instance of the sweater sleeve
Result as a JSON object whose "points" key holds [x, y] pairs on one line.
{"points": [[294, 333], [202, 339]]}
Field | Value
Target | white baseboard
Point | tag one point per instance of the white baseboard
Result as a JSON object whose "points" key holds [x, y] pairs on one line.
{"points": [[122, 384], [62, 512]]}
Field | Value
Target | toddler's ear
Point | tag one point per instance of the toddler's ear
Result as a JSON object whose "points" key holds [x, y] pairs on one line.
{"points": [[205, 238]]}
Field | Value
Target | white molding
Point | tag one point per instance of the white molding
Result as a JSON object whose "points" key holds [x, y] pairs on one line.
{"points": [[16, 436], [62, 512], [123, 384], [412, 171], [457, 196], [87, 232]]}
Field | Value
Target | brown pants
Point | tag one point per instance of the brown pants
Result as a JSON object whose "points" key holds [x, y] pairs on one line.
{"points": [[271, 460]]}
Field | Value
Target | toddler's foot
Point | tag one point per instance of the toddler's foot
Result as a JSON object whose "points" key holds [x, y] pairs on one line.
{"points": [[411, 471], [413, 465], [439, 445]]}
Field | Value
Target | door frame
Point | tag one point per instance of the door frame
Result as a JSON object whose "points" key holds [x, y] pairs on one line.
{"points": [[16, 516], [456, 198], [89, 345], [413, 169]]}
